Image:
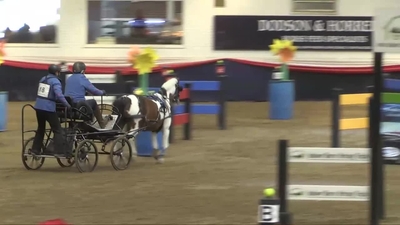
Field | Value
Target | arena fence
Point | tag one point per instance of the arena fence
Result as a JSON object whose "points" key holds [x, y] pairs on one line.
{"points": [[218, 108], [338, 123], [373, 193]]}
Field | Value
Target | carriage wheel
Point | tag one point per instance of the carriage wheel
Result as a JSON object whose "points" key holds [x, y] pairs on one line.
{"points": [[121, 153], [31, 162], [86, 156], [66, 162], [63, 162]]}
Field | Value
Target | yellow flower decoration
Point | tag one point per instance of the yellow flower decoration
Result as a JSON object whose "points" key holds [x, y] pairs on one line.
{"points": [[283, 48], [280, 45], [146, 60]]}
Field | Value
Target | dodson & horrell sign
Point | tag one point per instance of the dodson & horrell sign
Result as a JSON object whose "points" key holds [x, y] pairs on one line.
{"points": [[333, 33]]}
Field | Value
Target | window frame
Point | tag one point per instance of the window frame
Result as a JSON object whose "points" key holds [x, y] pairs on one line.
{"points": [[316, 11], [124, 46], [55, 45]]}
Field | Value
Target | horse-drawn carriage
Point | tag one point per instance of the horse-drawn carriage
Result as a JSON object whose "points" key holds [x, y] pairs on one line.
{"points": [[130, 115], [82, 139]]}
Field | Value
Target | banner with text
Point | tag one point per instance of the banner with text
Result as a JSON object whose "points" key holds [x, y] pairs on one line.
{"points": [[308, 32]]}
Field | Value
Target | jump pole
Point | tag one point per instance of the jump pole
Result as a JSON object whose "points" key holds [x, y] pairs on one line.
{"points": [[381, 44]]}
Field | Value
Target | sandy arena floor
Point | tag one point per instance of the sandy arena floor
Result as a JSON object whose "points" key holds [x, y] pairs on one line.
{"points": [[217, 178]]}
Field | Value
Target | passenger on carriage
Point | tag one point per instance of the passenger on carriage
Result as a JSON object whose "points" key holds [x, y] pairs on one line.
{"points": [[76, 87], [49, 91]]}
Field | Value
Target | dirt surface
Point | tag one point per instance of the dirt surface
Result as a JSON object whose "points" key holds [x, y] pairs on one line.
{"points": [[216, 178]]}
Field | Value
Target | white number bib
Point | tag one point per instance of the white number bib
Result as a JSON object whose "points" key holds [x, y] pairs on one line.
{"points": [[43, 90]]}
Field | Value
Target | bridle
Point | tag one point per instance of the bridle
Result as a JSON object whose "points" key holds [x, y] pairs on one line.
{"points": [[174, 97]]}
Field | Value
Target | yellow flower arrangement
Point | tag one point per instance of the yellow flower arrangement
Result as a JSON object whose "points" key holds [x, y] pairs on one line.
{"points": [[286, 50], [145, 61]]}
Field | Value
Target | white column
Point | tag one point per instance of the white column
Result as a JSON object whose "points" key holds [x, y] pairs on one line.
{"points": [[170, 11], [73, 27]]}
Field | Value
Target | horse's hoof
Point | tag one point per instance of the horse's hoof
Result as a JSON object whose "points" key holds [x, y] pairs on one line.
{"points": [[160, 160], [156, 153]]}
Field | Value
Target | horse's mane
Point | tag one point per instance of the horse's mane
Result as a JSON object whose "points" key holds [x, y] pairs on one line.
{"points": [[169, 84]]}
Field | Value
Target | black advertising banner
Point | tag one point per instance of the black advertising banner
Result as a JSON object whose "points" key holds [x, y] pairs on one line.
{"points": [[390, 122], [333, 33], [390, 133]]}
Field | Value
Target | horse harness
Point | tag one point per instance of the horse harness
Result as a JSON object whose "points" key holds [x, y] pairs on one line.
{"points": [[163, 106], [156, 99]]}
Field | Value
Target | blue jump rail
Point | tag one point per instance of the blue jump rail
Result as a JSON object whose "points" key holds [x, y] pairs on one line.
{"points": [[210, 109], [218, 109]]}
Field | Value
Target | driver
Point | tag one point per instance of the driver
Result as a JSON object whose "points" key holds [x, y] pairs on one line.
{"points": [[76, 87]]}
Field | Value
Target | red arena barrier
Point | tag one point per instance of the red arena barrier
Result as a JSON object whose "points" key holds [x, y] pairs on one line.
{"points": [[183, 118]]}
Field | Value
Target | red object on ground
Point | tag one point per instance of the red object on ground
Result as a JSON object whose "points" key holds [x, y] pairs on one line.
{"points": [[54, 222]]}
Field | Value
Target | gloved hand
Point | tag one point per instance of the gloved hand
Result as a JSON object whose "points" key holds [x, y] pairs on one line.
{"points": [[69, 107], [104, 92]]}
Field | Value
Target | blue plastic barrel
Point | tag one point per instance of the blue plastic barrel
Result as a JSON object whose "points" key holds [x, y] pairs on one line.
{"points": [[281, 99], [3, 110], [144, 146]]}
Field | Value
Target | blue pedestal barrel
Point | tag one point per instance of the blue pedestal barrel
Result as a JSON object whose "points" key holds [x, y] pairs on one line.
{"points": [[281, 99], [3, 110], [144, 145]]}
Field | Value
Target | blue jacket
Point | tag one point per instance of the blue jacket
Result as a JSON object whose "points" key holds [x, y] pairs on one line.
{"points": [[77, 85], [46, 100]]}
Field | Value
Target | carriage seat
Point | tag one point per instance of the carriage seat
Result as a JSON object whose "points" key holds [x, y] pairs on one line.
{"points": [[74, 114]]}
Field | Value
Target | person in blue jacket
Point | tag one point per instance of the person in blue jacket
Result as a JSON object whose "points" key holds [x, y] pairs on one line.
{"points": [[76, 87], [49, 91]]}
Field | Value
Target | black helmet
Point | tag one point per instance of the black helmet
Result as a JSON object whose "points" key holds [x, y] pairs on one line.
{"points": [[54, 69], [79, 67]]}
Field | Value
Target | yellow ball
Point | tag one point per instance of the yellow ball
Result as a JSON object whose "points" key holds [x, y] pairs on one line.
{"points": [[269, 192]]}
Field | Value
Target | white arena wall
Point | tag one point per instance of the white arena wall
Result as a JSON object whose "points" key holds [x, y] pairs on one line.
{"points": [[198, 38]]}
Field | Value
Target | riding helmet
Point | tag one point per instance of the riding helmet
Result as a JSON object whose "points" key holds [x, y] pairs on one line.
{"points": [[54, 69], [79, 67]]}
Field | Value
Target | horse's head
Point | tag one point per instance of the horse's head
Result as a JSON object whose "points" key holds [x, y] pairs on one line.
{"points": [[171, 89]]}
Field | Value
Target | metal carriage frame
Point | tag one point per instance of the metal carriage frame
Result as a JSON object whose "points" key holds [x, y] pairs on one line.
{"points": [[81, 138]]}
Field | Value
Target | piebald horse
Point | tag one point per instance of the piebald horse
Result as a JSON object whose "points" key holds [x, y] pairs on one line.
{"points": [[150, 113]]}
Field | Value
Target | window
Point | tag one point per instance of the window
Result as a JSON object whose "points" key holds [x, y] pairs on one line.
{"points": [[29, 21], [135, 22], [317, 6]]}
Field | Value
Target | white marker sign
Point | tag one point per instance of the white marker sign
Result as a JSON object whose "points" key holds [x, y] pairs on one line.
{"points": [[387, 30], [328, 155], [328, 193]]}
